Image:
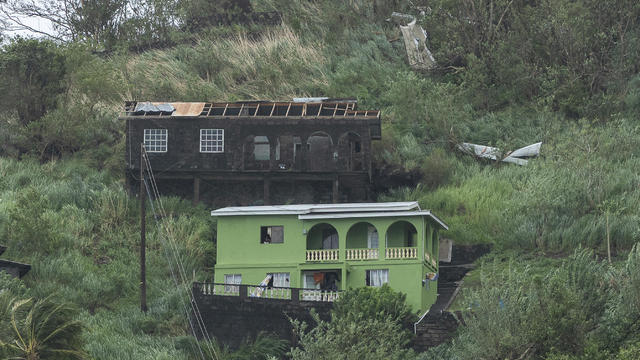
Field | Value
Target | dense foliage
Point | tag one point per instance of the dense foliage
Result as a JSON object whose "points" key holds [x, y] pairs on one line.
{"points": [[366, 323], [510, 73], [584, 309]]}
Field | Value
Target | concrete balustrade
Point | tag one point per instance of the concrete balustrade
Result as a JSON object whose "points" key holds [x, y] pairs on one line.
{"points": [[401, 253], [323, 255]]}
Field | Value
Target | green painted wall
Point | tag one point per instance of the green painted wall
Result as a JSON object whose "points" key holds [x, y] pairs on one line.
{"points": [[240, 252]]}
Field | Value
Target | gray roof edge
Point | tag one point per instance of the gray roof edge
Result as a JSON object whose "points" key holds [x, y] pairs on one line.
{"points": [[316, 208]]}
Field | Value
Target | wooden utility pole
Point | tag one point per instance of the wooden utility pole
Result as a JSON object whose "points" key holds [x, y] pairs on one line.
{"points": [[143, 235], [608, 239]]}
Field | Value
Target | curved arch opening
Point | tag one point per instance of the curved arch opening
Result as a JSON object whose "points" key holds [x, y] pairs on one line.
{"points": [[322, 237], [401, 234], [362, 242], [362, 235], [350, 154], [319, 151]]}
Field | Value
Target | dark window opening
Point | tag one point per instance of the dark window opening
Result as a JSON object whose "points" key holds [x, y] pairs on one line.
{"points": [[329, 238], [271, 234], [357, 147], [410, 242], [261, 148]]}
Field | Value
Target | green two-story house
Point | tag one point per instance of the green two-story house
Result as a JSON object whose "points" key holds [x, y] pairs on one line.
{"points": [[326, 248]]}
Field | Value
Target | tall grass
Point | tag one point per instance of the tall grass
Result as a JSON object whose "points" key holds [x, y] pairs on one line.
{"points": [[581, 189], [79, 230], [275, 65]]}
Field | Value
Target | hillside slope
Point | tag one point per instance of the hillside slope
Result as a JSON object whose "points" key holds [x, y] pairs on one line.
{"points": [[509, 74]]}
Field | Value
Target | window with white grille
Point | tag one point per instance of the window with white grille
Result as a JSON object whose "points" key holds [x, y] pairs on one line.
{"points": [[155, 140], [211, 140]]}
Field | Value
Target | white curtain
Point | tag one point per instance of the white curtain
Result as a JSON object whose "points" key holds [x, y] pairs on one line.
{"points": [[234, 279], [280, 279], [309, 281], [378, 277], [372, 238]]}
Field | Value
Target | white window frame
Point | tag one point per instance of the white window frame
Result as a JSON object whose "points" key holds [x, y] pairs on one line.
{"points": [[211, 140], [281, 279], [233, 279], [153, 140], [378, 277]]}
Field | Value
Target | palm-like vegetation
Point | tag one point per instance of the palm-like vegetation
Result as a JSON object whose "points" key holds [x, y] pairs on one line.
{"points": [[41, 329]]}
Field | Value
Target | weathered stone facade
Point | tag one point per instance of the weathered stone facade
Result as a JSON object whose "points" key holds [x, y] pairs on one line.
{"points": [[268, 146]]}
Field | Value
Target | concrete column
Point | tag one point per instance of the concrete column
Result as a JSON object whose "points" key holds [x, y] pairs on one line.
{"points": [[336, 190]]}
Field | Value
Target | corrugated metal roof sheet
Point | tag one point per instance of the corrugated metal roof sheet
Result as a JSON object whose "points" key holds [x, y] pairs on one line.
{"points": [[332, 211]]}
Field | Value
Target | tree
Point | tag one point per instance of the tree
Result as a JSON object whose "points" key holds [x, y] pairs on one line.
{"points": [[42, 329], [103, 23], [70, 19], [32, 75]]}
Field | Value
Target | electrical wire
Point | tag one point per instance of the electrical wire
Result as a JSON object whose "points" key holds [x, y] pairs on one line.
{"points": [[173, 257], [175, 251]]}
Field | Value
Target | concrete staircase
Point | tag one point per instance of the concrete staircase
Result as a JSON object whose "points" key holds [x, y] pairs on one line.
{"points": [[439, 325]]}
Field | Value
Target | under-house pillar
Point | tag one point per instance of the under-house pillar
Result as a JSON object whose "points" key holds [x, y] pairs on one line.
{"points": [[196, 190], [336, 190]]}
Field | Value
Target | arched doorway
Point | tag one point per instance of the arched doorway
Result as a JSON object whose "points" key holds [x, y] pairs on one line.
{"points": [[401, 241], [256, 152], [362, 242], [322, 243], [320, 152], [350, 154]]}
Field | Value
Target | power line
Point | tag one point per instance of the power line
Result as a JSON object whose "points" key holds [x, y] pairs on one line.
{"points": [[172, 255]]}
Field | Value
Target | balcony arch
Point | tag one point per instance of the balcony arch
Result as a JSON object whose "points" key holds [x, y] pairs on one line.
{"points": [[350, 154], [362, 242], [322, 243], [320, 151], [401, 241]]}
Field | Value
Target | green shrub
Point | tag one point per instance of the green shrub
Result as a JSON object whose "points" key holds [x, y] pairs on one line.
{"points": [[381, 303], [520, 314], [370, 339], [366, 323]]}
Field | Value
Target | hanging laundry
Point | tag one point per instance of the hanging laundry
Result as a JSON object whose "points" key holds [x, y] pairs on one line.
{"points": [[318, 277]]}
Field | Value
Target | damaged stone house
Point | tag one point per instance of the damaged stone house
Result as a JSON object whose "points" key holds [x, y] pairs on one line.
{"points": [[309, 150]]}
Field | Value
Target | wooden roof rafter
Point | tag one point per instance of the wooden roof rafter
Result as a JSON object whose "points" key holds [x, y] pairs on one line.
{"points": [[266, 109]]}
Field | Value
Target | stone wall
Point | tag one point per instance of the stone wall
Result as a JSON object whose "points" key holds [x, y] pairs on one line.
{"points": [[233, 320]]}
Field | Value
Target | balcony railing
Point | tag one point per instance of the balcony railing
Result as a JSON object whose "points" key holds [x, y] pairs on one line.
{"points": [[401, 253], [264, 292], [322, 255], [320, 295], [429, 260], [361, 254]]}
